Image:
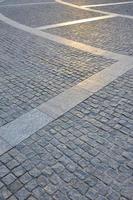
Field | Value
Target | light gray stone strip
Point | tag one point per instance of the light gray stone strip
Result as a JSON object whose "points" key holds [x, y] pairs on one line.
{"points": [[75, 22], [106, 76], [108, 4], [24, 126], [26, 4], [64, 101], [70, 4], [62, 40], [109, 13], [70, 98]]}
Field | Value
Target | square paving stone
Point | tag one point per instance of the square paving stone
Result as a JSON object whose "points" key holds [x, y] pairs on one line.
{"points": [[3, 171], [9, 179]]}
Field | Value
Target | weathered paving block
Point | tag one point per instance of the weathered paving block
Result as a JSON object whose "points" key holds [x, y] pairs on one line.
{"points": [[4, 146]]}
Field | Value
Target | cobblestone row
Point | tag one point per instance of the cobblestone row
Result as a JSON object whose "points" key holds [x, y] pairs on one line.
{"points": [[114, 34], [86, 154], [33, 70]]}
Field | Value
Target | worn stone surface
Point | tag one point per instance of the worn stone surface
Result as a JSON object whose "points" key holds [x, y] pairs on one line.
{"points": [[7, 2], [33, 70], [45, 14], [114, 34], [84, 154], [89, 2], [126, 9]]}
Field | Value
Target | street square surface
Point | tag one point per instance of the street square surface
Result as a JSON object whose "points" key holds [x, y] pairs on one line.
{"points": [[66, 100]]}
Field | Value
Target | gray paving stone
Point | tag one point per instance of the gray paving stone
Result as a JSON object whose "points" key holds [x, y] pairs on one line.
{"points": [[18, 171], [5, 193], [15, 186], [3, 171], [12, 164], [38, 192], [9, 179], [22, 194], [4, 146]]}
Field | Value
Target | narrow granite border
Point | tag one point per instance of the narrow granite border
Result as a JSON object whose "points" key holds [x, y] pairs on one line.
{"points": [[13, 133]]}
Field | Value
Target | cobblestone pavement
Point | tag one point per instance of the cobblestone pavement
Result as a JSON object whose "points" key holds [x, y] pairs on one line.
{"points": [[45, 14], [35, 70], [87, 152], [110, 34], [120, 9], [6, 2], [84, 154], [92, 2]]}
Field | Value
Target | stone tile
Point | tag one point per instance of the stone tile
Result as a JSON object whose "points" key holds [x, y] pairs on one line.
{"points": [[4, 146], [19, 129]]}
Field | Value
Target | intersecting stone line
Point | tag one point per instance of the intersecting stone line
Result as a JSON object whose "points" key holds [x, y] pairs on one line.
{"points": [[26, 4], [29, 123], [92, 9], [76, 22], [107, 4], [109, 13], [60, 104], [64, 41], [24, 126], [70, 4]]}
